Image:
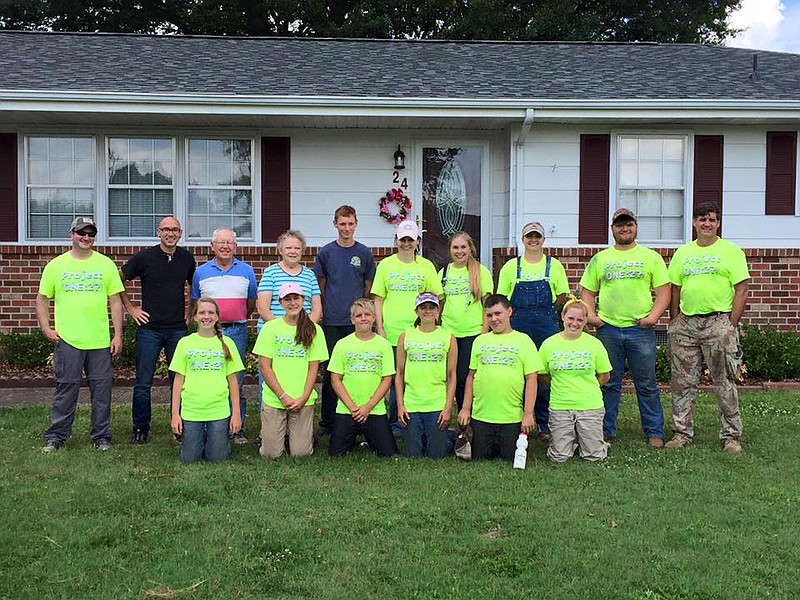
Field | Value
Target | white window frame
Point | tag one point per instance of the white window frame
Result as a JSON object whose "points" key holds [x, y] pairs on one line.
{"points": [[688, 158], [101, 206]]}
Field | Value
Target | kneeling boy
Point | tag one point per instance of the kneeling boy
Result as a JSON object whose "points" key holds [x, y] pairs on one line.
{"points": [[502, 368], [361, 368]]}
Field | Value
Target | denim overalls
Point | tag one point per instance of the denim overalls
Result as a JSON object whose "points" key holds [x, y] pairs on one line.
{"points": [[535, 315]]}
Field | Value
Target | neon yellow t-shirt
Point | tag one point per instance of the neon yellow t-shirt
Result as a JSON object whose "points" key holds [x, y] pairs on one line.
{"points": [[289, 360], [362, 365], [501, 363], [426, 369], [399, 284], [532, 272], [462, 314], [81, 289], [623, 280], [573, 366], [201, 361], [707, 276]]}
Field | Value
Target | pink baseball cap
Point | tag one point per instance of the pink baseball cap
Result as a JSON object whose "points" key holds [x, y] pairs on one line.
{"points": [[289, 288]]}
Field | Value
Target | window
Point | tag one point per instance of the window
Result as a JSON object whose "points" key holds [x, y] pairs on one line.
{"points": [[60, 183], [140, 194], [651, 176], [220, 187], [130, 182]]}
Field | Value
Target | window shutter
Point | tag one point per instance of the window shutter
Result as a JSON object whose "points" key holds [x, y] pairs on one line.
{"points": [[781, 172], [8, 187], [275, 187], [593, 194], [708, 160]]}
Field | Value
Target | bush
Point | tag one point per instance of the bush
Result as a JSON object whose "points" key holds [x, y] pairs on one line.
{"points": [[663, 370], [26, 350], [770, 354]]}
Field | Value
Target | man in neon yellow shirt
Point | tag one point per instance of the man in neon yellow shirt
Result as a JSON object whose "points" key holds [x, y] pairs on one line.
{"points": [[83, 283], [626, 277], [502, 372], [710, 279]]}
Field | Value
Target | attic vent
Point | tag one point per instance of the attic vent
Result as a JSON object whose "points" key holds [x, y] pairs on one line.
{"points": [[755, 75]]}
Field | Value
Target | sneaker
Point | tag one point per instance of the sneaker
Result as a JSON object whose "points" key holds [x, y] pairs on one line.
{"points": [[655, 442], [732, 446], [49, 447], [239, 439], [677, 441], [102, 445], [544, 436], [139, 437]]}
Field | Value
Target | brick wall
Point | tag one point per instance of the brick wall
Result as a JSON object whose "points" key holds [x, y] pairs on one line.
{"points": [[774, 288]]}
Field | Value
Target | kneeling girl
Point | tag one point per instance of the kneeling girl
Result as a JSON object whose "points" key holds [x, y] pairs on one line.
{"points": [[205, 375], [426, 382], [290, 349], [577, 365]]}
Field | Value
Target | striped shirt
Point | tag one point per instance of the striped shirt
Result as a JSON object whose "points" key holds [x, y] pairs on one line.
{"points": [[231, 289], [274, 277]]}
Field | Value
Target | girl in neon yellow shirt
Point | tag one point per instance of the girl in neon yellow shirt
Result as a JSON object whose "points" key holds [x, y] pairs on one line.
{"points": [[205, 377], [290, 349], [466, 284], [426, 382], [576, 365]]}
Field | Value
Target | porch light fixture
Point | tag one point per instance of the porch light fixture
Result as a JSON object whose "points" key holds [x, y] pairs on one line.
{"points": [[399, 159]]}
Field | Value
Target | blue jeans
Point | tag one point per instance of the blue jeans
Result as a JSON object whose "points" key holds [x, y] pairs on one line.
{"points": [[205, 439], [638, 346], [149, 343], [422, 432], [238, 333]]}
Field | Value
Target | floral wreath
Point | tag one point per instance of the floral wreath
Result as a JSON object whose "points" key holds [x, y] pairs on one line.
{"points": [[394, 214]]}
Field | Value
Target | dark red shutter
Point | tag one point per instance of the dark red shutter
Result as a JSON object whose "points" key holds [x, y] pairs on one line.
{"points": [[593, 194], [275, 187], [708, 157], [8, 188], [781, 172]]}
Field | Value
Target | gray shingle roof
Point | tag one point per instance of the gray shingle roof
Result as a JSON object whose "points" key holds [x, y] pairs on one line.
{"points": [[296, 67]]}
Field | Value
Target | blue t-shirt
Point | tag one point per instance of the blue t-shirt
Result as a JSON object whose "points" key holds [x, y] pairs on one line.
{"points": [[345, 270]]}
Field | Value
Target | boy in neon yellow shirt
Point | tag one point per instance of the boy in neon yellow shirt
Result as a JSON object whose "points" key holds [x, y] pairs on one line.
{"points": [[361, 368], [502, 372]]}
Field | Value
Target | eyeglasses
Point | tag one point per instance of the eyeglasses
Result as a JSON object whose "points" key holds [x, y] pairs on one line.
{"points": [[84, 233], [223, 243], [170, 229]]}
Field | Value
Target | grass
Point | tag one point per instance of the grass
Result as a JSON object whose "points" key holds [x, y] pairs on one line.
{"points": [[135, 523]]}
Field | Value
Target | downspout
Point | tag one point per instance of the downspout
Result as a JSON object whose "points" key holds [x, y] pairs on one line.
{"points": [[518, 178]]}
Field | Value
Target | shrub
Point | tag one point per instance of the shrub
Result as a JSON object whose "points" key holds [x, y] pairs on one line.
{"points": [[663, 370], [26, 350], [770, 354]]}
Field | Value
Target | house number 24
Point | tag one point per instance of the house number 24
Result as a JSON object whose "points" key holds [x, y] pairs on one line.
{"points": [[396, 179]]}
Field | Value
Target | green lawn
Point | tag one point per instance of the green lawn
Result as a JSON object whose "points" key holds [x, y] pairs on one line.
{"points": [[135, 523]]}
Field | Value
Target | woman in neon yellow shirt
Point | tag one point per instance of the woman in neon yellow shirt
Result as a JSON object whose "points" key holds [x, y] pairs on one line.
{"points": [[205, 376], [466, 284], [290, 350], [576, 365], [426, 382]]}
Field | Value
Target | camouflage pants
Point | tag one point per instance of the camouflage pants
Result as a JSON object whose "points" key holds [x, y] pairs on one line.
{"points": [[715, 341]]}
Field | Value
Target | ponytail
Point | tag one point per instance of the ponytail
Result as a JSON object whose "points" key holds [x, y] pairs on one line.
{"points": [[225, 350], [306, 330]]}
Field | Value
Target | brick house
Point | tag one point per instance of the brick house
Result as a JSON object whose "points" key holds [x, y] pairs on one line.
{"points": [[265, 133]]}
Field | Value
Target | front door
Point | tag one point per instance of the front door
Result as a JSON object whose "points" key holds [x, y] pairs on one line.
{"points": [[451, 198]]}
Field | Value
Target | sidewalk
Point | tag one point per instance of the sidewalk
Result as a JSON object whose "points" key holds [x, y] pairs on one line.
{"points": [[44, 395]]}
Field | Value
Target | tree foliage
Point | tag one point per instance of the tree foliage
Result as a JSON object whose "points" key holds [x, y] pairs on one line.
{"points": [[702, 21]]}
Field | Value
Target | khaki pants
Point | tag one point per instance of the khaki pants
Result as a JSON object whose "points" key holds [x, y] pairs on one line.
{"points": [[577, 429], [275, 422], [715, 341]]}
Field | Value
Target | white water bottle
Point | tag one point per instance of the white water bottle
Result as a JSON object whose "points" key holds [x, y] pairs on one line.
{"points": [[521, 455]]}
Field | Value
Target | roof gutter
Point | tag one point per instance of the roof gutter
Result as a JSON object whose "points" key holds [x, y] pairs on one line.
{"points": [[517, 175]]}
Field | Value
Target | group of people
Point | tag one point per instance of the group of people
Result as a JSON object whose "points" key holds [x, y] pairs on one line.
{"points": [[427, 344]]}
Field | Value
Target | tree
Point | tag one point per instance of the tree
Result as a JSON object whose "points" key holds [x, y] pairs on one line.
{"points": [[704, 21]]}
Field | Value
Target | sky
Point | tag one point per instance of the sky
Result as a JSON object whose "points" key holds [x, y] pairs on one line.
{"points": [[769, 24]]}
